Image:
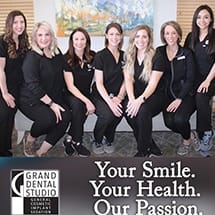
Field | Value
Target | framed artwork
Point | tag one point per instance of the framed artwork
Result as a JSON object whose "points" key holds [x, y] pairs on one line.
{"points": [[95, 15]]}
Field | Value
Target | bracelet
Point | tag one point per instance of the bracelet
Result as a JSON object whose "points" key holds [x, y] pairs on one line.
{"points": [[50, 103]]}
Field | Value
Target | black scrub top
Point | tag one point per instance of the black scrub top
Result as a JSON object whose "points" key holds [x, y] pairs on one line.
{"points": [[82, 76], [112, 71], [43, 76], [179, 74], [13, 68], [204, 61], [139, 84]]}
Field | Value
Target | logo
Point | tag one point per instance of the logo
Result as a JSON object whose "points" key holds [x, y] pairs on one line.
{"points": [[34, 192]]}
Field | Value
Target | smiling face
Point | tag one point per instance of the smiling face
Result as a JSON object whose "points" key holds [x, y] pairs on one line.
{"points": [[203, 19], [141, 39], [170, 35], [114, 37], [79, 41], [18, 25], [43, 38]]}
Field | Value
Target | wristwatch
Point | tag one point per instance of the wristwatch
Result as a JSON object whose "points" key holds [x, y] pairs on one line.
{"points": [[111, 95]]}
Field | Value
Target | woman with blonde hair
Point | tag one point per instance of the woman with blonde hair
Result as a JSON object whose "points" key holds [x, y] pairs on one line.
{"points": [[41, 97], [137, 72], [169, 90]]}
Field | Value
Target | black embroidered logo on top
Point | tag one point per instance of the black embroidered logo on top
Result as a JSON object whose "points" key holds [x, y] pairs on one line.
{"points": [[34, 192]]}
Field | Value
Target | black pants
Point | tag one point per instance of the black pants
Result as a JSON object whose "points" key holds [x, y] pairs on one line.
{"points": [[178, 121], [78, 112], [204, 110], [142, 123], [45, 121], [106, 122], [7, 115]]}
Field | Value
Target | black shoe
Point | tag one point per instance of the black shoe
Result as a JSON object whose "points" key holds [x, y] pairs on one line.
{"points": [[69, 150], [141, 154], [154, 150], [80, 149]]}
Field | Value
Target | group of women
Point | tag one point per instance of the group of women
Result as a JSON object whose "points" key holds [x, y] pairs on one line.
{"points": [[58, 91]]}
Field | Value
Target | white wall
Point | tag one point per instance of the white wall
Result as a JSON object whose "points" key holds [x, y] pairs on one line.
{"points": [[164, 10]]}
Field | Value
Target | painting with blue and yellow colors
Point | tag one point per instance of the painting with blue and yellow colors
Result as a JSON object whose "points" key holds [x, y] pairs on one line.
{"points": [[95, 15]]}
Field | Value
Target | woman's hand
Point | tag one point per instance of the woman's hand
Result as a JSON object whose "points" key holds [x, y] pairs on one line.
{"points": [[9, 99], [203, 88], [115, 107], [133, 107], [90, 108], [57, 110], [173, 106], [117, 100]]}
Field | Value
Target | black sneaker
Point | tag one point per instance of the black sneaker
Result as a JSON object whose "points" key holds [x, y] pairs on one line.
{"points": [[142, 154], [154, 150], [97, 148], [69, 150], [108, 146], [80, 149]]}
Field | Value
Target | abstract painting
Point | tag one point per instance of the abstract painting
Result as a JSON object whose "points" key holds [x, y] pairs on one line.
{"points": [[95, 15]]}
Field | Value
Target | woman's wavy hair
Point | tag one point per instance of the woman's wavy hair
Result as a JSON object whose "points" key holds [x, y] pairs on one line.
{"points": [[131, 53], [118, 28], [176, 26], [195, 29], [72, 58], [8, 35], [34, 45]]}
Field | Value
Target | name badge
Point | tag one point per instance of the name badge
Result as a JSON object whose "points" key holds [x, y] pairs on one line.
{"points": [[206, 43], [181, 57]]}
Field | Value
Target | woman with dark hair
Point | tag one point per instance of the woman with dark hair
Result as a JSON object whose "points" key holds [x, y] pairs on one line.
{"points": [[202, 42], [78, 80], [108, 90], [13, 46]]}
